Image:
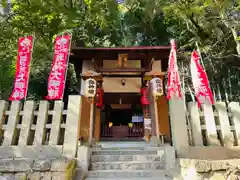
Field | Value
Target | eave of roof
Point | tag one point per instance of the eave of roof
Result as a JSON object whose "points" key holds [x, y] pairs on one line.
{"points": [[131, 48], [145, 53]]}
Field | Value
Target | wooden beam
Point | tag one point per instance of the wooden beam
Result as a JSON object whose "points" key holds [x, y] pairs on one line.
{"points": [[127, 98], [97, 78], [108, 55], [140, 70], [123, 75], [154, 74], [99, 56]]}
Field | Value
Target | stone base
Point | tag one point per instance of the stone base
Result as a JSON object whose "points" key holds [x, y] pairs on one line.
{"points": [[93, 143], [46, 169], [155, 141]]}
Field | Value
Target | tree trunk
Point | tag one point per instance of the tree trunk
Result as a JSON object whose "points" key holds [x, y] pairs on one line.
{"points": [[234, 32], [235, 35]]}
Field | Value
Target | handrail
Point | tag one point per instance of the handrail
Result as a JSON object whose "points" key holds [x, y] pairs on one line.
{"points": [[119, 131]]}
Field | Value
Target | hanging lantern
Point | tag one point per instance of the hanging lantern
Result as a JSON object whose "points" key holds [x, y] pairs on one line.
{"points": [[157, 87], [130, 125], [99, 97], [110, 124], [90, 88], [144, 96]]}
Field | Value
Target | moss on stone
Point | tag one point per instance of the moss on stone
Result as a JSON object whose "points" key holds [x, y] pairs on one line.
{"points": [[71, 169], [24, 177]]}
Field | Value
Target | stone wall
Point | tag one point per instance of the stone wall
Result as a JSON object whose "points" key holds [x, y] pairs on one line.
{"points": [[47, 169], [39, 142], [210, 169]]}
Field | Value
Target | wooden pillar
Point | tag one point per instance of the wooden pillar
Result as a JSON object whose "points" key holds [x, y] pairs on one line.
{"points": [[92, 124], [97, 124], [154, 118], [159, 114], [163, 115], [163, 118], [93, 109], [85, 120], [97, 115]]}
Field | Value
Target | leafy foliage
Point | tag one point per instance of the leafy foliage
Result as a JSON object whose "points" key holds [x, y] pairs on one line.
{"points": [[213, 24]]}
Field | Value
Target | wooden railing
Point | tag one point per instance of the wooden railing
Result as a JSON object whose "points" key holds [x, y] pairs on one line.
{"points": [[122, 131], [106, 131], [136, 131], [52, 129]]}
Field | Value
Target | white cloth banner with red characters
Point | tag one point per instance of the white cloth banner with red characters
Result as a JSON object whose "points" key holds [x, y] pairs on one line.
{"points": [[201, 87], [56, 80], [25, 46], [173, 86]]}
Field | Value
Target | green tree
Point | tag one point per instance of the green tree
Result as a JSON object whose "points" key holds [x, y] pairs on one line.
{"points": [[212, 24]]}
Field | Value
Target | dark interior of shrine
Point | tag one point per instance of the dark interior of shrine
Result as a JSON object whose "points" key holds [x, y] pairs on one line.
{"points": [[121, 116]]}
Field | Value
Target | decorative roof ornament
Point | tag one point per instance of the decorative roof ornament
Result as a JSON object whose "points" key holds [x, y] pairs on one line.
{"points": [[90, 73]]}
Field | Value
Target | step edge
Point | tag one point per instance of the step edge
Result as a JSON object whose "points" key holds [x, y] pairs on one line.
{"points": [[126, 155], [129, 178], [120, 162], [131, 150], [129, 170]]}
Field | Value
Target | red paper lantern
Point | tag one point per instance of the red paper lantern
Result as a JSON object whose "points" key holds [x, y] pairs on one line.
{"points": [[99, 97], [144, 96]]}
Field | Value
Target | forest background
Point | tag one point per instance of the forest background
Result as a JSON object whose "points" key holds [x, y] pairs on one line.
{"points": [[211, 26]]}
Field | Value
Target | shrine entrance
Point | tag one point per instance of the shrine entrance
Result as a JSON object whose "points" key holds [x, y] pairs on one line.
{"points": [[124, 74], [122, 117]]}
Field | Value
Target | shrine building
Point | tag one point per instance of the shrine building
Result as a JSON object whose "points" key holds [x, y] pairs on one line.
{"points": [[124, 107]]}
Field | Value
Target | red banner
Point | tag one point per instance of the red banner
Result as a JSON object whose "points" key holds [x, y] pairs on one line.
{"points": [[144, 96], [99, 97], [174, 86], [25, 45], [56, 80], [200, 81]]}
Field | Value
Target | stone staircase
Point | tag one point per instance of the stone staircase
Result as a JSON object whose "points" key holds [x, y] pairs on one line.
{"points": [[135, 163]]}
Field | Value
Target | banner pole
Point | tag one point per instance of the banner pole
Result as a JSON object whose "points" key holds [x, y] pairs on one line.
{"points": [[30, 64], [198, 50], [65, 78], [184, 98]]}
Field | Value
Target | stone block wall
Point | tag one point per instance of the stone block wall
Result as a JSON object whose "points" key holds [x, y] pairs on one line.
{"points": [[47, 169], [206, 140], [210, 169], [38, 141]]}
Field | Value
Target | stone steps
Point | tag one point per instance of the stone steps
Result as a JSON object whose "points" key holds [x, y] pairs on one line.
{"points": [[125, 165], [134, 163], [124, 152], [114, 158], [126, 144], [121, 174], [137, 178]]}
